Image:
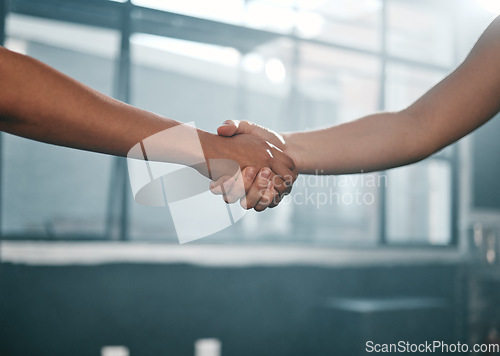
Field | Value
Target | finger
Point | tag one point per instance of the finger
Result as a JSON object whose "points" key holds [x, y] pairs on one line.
{"points": [[284, 165], [279, 184], [282, 177], [226, 184], [257, 189], [249, 175], [216, 186], [238, 190], [277, 197], [279, 155], [228, 128], [266, 199], [234, 127]]}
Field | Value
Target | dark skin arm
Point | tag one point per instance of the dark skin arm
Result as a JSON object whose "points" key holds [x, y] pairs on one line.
{"points": [[40, 103]]}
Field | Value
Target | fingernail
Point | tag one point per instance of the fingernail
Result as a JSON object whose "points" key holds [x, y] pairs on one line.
{"points": [[266, 173]]}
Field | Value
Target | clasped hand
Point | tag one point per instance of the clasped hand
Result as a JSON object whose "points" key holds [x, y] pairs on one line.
{"points": [[267, 172]]}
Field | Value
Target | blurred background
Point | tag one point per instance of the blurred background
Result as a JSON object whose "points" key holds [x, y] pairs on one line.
{"points": [[407, 254]]}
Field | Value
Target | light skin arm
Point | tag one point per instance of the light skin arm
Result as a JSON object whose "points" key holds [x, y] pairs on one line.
{"points": [[456, 106], [40, 103]]}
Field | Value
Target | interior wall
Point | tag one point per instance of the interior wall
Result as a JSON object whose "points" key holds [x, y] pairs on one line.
{"points": [[162, 309]]}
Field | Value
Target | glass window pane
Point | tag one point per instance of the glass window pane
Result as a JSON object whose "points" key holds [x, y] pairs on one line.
{"points": [[343, 22], [421, 30], [229, 11], [341, 79], [419, 203], [47, 190], [351, 23], [418, 196], [405, 84]]}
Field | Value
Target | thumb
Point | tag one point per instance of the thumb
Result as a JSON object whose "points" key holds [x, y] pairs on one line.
{"points": [[228, 128], [234, 127]]}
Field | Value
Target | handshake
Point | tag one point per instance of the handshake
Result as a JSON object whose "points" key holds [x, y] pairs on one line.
{"points": [[267, 169]]}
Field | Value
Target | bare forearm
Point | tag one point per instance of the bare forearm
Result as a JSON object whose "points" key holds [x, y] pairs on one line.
{"points": [[459, 104], [375, 142], [40, 103]]}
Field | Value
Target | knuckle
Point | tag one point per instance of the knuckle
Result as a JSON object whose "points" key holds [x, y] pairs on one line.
{"points": [[262, 185], [281, 187], [266, 200]]}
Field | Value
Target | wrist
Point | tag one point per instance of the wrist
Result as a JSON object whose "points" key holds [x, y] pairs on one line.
{"points": [[221, 155], [212, 145], [293, 149]]}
